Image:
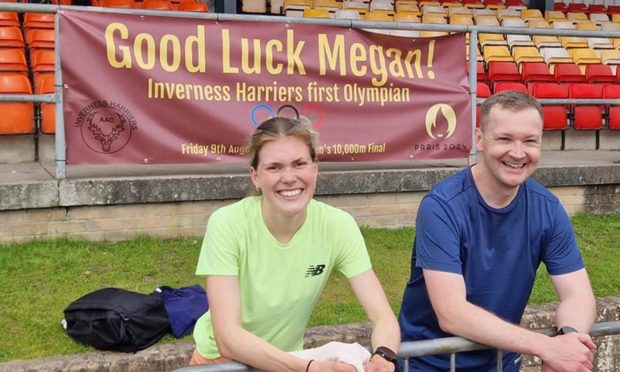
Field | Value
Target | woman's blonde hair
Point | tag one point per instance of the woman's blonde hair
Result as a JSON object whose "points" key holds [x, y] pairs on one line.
{"points": [[281, 127]]}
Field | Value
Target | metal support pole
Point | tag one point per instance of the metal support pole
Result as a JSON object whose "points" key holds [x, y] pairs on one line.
{"points": [[473, 85], [60, 145]]}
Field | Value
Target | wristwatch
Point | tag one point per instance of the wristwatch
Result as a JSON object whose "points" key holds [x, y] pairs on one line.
{"points": [[387, 354], [566, 329]]}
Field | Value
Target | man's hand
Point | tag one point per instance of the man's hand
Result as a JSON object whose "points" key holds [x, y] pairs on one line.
{"points": [[572, 352], [378, 364]]}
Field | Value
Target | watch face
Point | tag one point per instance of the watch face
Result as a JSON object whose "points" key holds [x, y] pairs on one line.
{"points": [[387, 354]]}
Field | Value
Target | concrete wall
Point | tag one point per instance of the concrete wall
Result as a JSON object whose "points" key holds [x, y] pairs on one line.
{"points": [[179, 206], [168, 357]]}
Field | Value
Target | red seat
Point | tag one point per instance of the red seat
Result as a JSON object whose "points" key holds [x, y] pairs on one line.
{"points": [[599, 73], [613, 111], [16, 117], [38, 20], [192, 6], [568, 72], [597, 8], [481, 73], [555, 116], [560, 6], [577, 8], [586, 117], [510, 85], [503, 71], [483, 91], [612, 9], [515, 3], [535, 71]]}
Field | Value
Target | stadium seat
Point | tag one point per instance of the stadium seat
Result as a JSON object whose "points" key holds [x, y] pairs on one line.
{"points": [[519, 40], [501, 86], [554, 15], [493, 53], [613, 9], [560, 6], [461, 19], [43, 60], [158, 5], [192, 6], [613, 111], [486, 20], [599, 18], [333, 5], [535, 71], [247, 6], [40, 38], [473, 4], [553, 56], [577, 17], [347, 14], [599, 73], [568, 72], [322, 13], [526, 54], [503, 71], [516, 4], [48, 114], [482, 91], [596, 9], [555, 116], [577, 7], [586, 117], [503, 14], [481, 73], [529, 14], [38, 20], [611, 57], [9, 19], [583, 56], [295, 8], [16, 117], [513, 22], [11, 37], [404, 6], [491, 39], [13, 60], [494, 4]]}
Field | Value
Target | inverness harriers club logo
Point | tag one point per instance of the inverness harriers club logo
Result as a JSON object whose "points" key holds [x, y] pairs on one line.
{"points": [[106, 126]]}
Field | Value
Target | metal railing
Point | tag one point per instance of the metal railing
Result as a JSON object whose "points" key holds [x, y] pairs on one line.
{"points": [[60, 146], [447, 345]]}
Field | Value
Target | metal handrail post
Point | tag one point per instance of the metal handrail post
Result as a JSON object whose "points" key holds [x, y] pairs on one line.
{"points": [[60, 142], [473, 94]]}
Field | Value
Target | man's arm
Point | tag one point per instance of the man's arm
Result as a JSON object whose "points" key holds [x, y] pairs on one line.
{"points": [[459, 317]]}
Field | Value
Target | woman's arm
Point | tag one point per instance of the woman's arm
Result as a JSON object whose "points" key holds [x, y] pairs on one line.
{"points": [[385, 330], [236, 343]]}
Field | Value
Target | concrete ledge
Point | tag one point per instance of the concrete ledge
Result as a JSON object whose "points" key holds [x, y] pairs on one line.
{"points": [[168, 357]]}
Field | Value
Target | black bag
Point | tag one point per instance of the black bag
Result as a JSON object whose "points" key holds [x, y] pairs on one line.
{"points": [[117, 319]]}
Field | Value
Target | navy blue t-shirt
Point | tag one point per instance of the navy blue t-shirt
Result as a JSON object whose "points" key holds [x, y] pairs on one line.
{"points": [[498, 252]]}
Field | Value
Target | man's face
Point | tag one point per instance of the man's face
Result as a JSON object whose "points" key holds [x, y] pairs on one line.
{"points": [[509, 147]]}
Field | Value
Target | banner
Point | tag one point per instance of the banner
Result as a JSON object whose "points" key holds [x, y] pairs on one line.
{"points": [[153, 90]]}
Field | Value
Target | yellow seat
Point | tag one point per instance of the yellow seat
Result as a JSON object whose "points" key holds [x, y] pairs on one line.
{"points": [[526, 54], [431, 9], [528, 14], [599, 18], [295, 8], [577, 17], [460, 10], [434, 18], [570, 42], [316, 13], [406, 17], [583, 55], [254, 6], [491, 39], [347, 14], [405, 6], [552, 15], [508, 13], [433, 33], [461, 19], [496, 53], [378, 16], [538, 23], [610, 56]]}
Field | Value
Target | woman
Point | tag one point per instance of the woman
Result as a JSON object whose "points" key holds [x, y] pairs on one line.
{"points": [[267, 259]]}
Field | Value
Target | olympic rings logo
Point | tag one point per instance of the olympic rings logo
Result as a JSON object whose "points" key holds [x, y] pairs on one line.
{"points": [[311, 114]]}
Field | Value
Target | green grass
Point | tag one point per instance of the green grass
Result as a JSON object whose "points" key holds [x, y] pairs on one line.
{"points": [[41, 278]]}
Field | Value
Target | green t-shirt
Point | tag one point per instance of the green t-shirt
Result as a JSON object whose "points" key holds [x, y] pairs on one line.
{"points": [[279, 283]]}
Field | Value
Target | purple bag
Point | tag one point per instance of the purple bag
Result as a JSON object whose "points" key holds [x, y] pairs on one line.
{"points": [[184, 306]]}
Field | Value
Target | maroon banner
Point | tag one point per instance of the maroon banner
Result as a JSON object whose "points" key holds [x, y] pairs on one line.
{"points": [[147, 89]]}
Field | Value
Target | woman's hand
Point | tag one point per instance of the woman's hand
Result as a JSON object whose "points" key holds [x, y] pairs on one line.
{"points": [[330, 366]]}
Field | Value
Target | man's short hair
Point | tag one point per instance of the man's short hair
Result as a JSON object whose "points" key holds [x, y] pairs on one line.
{"points": [[510, 100]]}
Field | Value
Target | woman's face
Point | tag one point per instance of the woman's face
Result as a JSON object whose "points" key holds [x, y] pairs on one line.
{"points": [[286, 175]]}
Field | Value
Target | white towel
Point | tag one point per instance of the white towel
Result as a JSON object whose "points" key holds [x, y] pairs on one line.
{"points": [[353, 354]]}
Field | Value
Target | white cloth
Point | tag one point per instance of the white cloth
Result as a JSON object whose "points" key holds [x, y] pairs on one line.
{"points": [[353, 354]]}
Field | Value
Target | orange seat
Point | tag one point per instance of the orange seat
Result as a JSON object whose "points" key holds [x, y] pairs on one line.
{"points": [[48, 110], [13, 59], [43, 60], [157, 5], [11, 37], [16, 117], [9, 19], [192, 6], [38, 20], [40, 38], [127, 4]]}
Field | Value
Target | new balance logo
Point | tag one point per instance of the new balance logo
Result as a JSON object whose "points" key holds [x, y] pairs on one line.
{"points": [[314, 270]]}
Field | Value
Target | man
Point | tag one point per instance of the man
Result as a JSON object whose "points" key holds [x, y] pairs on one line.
{"points": [[480, 237]]}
